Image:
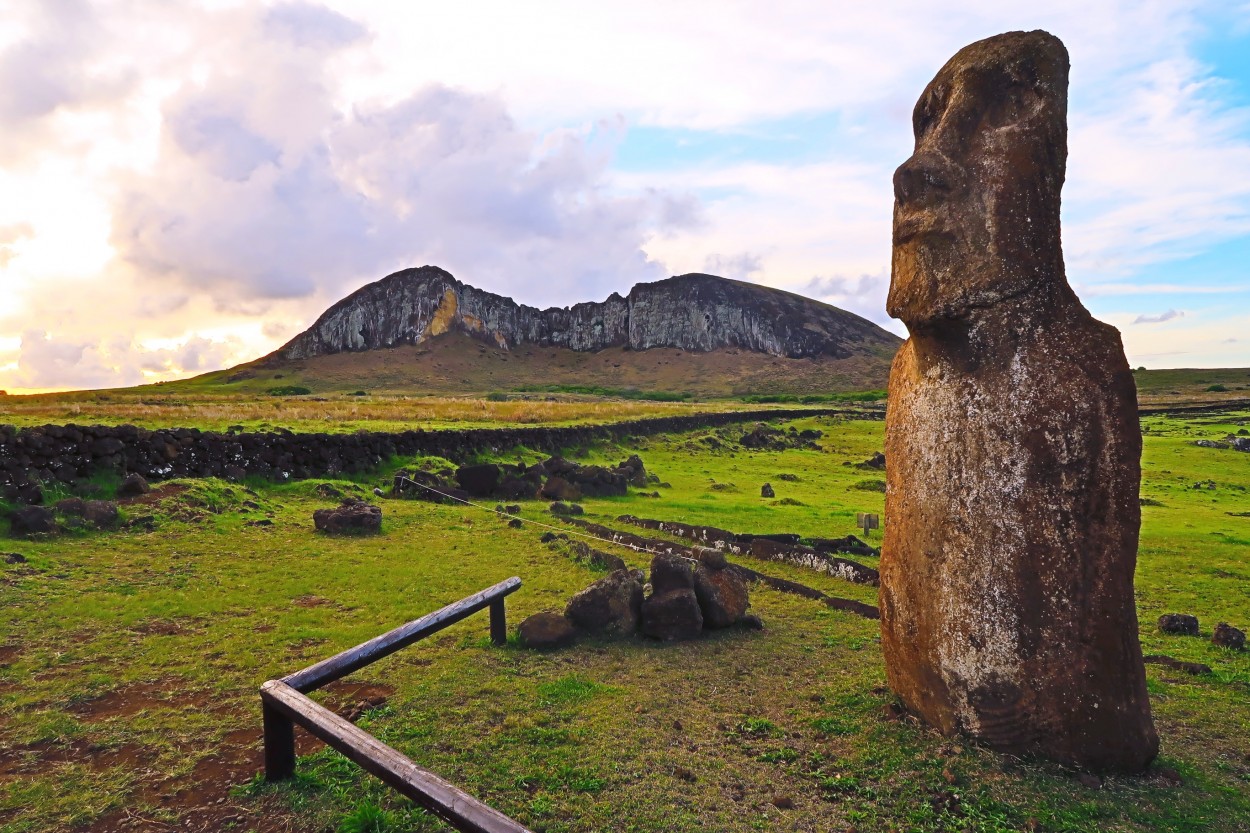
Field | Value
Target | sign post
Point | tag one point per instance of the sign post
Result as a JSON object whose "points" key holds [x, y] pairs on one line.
{"points": [[867, 521]]}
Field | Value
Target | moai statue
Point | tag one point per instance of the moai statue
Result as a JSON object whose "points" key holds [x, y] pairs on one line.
{"points": [[1012, 441]]}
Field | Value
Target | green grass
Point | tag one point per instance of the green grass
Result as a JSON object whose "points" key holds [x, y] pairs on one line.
{"points": [[618, 393], [609, 735]]}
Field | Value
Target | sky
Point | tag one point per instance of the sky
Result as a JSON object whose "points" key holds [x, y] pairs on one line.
{"points": [[186, 186]]}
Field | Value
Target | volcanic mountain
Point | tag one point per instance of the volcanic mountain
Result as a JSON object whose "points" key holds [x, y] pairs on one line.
{"points": [[421, 329]]}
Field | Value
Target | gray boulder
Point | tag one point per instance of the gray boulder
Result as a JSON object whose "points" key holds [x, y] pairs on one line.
{"points": [[672, 615], [612, 604], [133, 486], [722, 595], [546, 630], [1179, 623], [32, 520], [352, 517]]}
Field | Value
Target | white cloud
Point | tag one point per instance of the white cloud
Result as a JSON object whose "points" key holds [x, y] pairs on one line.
{"points": [[236, 167], [1170, 315]]}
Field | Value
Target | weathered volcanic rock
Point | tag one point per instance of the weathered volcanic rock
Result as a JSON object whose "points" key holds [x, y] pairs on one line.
{"points": [[479, 480], [671, 572], [722, 595], [32, 520], [1012, 442], [101, 514], [692, 312], [546, 630], [612, 604], [1179, 623], [133, 486], [352, 517], [1226, 636], [672, 610], [671, 616]]}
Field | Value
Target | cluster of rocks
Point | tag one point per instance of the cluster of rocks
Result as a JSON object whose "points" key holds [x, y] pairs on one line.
{"points": [[1184, 624], [70, 513], [764, 437], [684, 600], [68, 453], [1232, 441], [556, 479], [351, 517]]}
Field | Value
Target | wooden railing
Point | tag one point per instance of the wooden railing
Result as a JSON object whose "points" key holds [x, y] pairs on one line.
{"points": [[284, 703]]}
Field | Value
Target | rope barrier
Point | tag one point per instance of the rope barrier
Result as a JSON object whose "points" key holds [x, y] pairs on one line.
{"points": [[561, 530]]}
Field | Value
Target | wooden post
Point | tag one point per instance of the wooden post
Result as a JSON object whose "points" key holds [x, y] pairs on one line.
{"points": [[445, 800], [498, 622], [279, 743]]}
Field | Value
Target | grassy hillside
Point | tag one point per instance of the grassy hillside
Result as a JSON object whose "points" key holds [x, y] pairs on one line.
{"points": [[130, 663], [1192, 385], [456, 363]]}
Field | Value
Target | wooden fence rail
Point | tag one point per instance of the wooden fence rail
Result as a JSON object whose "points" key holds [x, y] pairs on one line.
{"points": [[284, 703]]}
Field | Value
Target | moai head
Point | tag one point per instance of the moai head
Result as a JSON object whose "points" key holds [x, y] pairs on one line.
{"points": [[976, 210]]}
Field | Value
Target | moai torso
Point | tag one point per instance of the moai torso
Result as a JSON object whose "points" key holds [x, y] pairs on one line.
{"points": [[1012, 443]]}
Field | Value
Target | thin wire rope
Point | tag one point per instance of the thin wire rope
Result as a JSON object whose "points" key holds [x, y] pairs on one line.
{"points": [[561, 530]]}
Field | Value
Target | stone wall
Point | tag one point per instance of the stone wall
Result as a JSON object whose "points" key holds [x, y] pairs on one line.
{"points": [[66, 453]]}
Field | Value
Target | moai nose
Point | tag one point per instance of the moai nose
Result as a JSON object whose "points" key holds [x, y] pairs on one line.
{"points": [[925, 178]]}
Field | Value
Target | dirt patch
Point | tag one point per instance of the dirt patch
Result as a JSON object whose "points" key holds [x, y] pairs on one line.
{"points": [[201, 801], [155, 496], [37, 757], [165, 627], [352, 698], [8, 653], [312, 601], [139, 697]]}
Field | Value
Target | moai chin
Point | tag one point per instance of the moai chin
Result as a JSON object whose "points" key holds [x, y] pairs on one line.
{"points": [[1012, 440]]}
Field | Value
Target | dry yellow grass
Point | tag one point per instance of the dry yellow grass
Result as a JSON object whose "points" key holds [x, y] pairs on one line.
{"points": [[333, 414]]}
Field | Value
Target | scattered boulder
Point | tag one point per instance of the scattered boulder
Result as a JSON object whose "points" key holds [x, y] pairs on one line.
{"points": [[634, 471], [32, 520], [764, 437], [721, 593], [876, 461], [1179, 623], [14, 558], [101, 514], [327, 490], [672, 615], [516, 523], [1211, 444], [133, 485], [672, 610], [767, 490], [612, 604], [351, 517], [671, 572], [1226, 636], [546, 630], [479, 480], [557, 488], [566, 509]]}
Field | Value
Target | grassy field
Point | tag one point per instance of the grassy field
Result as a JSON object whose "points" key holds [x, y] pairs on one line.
{"points": [[130, 663], [339, 414]]}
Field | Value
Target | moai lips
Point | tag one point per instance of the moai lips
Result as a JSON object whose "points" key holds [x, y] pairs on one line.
{"points": [[1012, 442]]}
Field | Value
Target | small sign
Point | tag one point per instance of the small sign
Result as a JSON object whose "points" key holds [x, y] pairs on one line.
{"points": [[867, 521]]}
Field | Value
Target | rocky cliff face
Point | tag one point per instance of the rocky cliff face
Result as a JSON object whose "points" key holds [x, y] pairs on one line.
{"points": [[692, 312]]}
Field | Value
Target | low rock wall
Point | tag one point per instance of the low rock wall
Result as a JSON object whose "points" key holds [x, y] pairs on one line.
{"points": [[66, 453]]}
